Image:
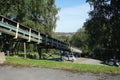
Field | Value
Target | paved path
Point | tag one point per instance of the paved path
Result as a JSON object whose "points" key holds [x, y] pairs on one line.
{"points": [[12, 73]]}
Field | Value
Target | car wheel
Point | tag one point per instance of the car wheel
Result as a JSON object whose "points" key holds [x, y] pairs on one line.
{"points": [[111, 63]]}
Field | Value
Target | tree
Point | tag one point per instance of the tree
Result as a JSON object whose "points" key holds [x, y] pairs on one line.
{"points": [[39, 15], [103, 25], [80, 40]]}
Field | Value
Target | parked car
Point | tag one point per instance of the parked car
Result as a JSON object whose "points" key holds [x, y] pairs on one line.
{"points": [[113, 62], [68, 58]]}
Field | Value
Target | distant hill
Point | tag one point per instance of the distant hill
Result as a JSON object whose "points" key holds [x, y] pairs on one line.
{"points": [[65, 33]]}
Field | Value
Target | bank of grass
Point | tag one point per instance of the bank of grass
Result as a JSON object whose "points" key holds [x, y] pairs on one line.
{"points": [[21, 62]]}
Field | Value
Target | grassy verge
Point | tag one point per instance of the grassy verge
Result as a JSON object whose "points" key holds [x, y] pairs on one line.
{"points": [[62, 65]]}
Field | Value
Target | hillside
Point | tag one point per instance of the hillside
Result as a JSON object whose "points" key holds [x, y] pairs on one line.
{"points": [[65, 33]]}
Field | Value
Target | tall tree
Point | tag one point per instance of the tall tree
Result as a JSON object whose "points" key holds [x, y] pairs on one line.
{"points": [[50, 16], [38, 14], [103, 25], [80, 40]]}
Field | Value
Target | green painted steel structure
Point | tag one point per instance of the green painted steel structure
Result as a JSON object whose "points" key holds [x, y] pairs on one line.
{"points": [[19, 31]]}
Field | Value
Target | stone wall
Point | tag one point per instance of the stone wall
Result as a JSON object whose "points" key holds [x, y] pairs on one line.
{"points": [[2, 57]]}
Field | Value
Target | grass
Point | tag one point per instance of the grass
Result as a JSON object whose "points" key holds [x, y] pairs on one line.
{"points": [[61, 65]]}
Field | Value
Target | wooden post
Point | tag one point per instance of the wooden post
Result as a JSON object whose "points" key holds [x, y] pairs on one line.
{"points": [[52, 43], [24, 49], [61, 54], [46, 39], [39, 52], [6, 45]]}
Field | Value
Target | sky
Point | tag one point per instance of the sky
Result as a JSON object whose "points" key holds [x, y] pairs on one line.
{"points": [[72, 15]]}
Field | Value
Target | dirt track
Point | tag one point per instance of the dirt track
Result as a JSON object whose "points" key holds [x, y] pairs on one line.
{"points": [[12, 73]]}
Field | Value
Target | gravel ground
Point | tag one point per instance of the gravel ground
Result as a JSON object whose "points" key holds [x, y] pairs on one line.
{"points": [[12, 73], [88, 61]]}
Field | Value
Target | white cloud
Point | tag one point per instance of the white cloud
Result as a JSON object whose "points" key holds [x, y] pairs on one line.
{"points": [[72, 18]]}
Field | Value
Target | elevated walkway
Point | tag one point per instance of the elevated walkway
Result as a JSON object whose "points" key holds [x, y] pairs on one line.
{"points": [[19, 32]]}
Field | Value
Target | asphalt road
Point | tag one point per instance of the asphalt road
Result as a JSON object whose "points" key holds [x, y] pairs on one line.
{"points": [[13, 73]]}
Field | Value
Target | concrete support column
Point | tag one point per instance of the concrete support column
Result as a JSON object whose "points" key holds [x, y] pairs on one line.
{"points": [[2, 57]]}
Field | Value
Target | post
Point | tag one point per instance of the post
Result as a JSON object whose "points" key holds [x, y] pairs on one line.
{"points": [[6, 45], [57, 44], [16, 35], [29, 35], [61, 54], [39, 37], [24, 49], [52, 43], [39, 52], [46, 39], [2, 20]]}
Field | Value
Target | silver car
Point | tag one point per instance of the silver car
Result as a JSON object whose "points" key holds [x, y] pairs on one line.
{"points": [[68, 58]]}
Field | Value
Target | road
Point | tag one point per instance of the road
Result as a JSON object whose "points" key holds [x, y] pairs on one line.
{"points": [[18, 73]]}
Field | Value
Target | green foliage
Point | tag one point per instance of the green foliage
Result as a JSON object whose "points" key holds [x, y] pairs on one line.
{"points": [[80, 40], [37, 14], [102, 29], [103, 26], [40, 15]]}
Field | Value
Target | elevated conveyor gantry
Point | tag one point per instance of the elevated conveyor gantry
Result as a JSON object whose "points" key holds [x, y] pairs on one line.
{"points": [[19, 31]]}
